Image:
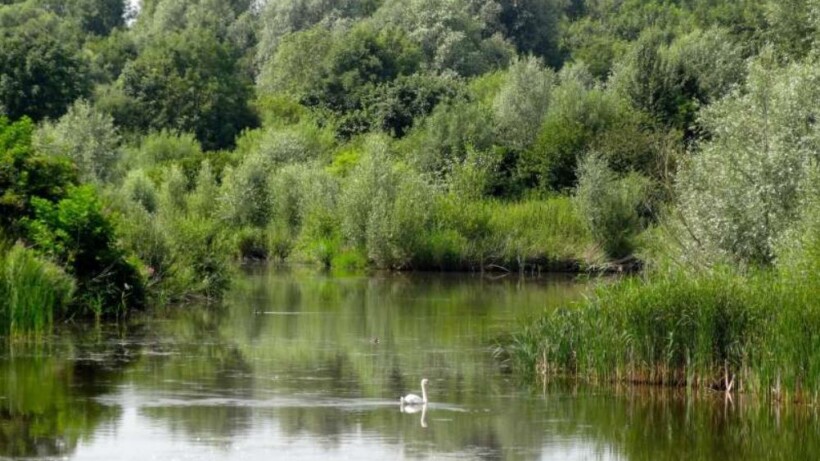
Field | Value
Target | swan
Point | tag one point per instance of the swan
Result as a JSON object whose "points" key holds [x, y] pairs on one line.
{"points": [[413, 399]]}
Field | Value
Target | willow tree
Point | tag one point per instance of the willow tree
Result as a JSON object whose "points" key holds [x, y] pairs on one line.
{"points": [[741, 190]]}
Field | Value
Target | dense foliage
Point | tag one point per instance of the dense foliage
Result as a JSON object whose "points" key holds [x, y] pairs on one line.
{"points": [[422, 134]]}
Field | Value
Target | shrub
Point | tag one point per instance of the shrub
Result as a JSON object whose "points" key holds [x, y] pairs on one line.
{"points": [[522, 102], [78, 234], [138, 188], [245, 198], [741, 190], [163, 148], [25, 175], [611, 205], [252, 243], [201, 250], [443, 139], [87, 137]]}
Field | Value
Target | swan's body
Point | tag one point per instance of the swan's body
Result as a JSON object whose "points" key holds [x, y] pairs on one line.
{"points": [[413, 399]]}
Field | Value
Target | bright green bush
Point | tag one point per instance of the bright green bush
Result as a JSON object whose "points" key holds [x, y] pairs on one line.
{"points": [[245, 198], [445, 137], [77, 233], [201, 250], [161, 149], [25, 175]]}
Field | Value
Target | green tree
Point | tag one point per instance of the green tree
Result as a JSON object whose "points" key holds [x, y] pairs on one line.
{"points": [[362, 59], [189, 82], [522, 102], [25, 175], [580, 120], [287, 71], [42, 68], [281, 18], [534, 26], [741, 190], [87, 137], [794, 26], [454, 35], [394, 107], [97, 17], [672, 80]]}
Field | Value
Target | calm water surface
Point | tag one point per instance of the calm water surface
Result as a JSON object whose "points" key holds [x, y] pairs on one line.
{"points": [[299, 365]]}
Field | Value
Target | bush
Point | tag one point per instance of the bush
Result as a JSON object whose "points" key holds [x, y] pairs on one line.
{"points": [[611, 206], [79, 235], [201, 251], [138, 188], [741, 191], [580, 120], [245, 198], [445, 137], [25, 175], [522, 102], [252, 243], [163, 148], [87, 137]]}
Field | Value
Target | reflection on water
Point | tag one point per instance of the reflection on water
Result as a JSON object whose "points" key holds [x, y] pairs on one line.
{"points": [[307, 366]]}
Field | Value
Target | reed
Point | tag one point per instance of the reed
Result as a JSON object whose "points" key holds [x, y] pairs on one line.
{"points": [[717, 330], [32, 290]]}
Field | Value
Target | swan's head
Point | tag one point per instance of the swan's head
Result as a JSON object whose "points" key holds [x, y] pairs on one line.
{"points": [[424, 382]]}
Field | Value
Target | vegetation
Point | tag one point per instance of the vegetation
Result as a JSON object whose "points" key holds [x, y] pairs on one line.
{"points": [[143, 152], [731, 301], [32, 291]]}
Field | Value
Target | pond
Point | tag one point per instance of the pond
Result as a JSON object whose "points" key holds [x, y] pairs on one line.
{"points": [[301, 365]]}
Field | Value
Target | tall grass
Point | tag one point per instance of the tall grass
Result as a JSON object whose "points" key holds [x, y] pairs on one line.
{"points": [[32, 290], [718, 329], [548, 230]]}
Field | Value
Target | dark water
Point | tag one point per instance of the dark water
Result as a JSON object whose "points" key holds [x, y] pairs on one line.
{"points": [[297, 365]]}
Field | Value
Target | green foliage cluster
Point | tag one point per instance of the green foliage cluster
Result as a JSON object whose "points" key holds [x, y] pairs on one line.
{"points": [[421, 134], [42, 67], [731, 300], [65, 224]]}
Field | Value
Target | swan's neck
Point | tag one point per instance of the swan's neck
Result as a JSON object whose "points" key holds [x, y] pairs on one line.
{"points": [[424, 392]]}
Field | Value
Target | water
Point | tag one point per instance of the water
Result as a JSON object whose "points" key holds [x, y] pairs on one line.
{"points": [[298, 365]]}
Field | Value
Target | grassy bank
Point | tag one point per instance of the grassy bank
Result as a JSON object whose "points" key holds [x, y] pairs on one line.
{"points": [[716, 330]]}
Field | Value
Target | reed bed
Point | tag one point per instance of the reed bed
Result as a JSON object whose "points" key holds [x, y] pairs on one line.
{"points": [[32, 290], [718, 330]]}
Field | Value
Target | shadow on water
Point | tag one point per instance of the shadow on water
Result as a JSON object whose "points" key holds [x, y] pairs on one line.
{"points": [[310, 366]]}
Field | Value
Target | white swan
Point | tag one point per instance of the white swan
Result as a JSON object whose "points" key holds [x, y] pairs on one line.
{"points": [[413, 399]]}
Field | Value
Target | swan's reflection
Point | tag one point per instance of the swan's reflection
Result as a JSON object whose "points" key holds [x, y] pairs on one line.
{"points": [[411, 409]]}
